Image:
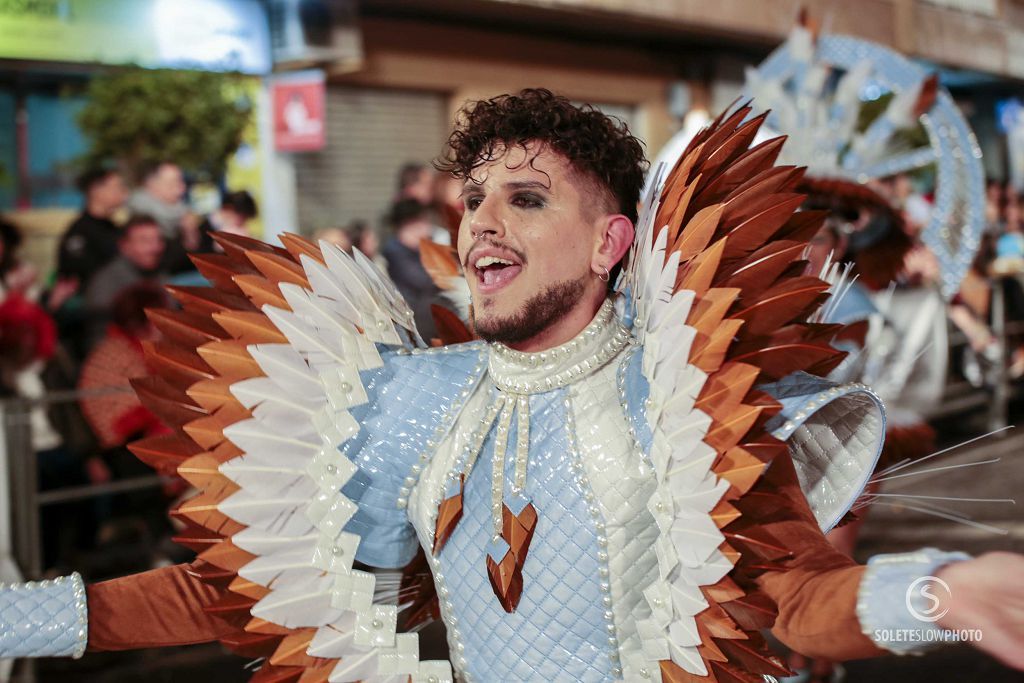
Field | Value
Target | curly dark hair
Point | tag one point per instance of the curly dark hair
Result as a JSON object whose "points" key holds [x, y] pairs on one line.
{"points": [[596, 146]]}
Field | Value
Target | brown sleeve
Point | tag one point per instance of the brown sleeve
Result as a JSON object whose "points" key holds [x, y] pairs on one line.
{"points": [[152, 609], [817, 593]]}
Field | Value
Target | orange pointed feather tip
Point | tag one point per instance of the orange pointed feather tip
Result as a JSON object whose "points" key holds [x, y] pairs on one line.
{"points": [[740, 468], [724, 672], [802, 226], [675, 223], [771, 181], [727, 432], [760, 270], [278, 269], [440, 261], [172, 405], [789, 300], [292, 649], [709, 310], [257, 625], [679, 175], [708, 649], [299, 246], [230, 360], [250, 327], [724, 590], [178, 366], [709, 351], [202, 510], [724, 514], [208, 432], [202, 471], [225, 451], [195, 538], [699, 273], [213, 394], [751, 234], [754, 657], [719, 134], [697, 234], [733, 146], [718, 624], [235, 246], [185, 327], [675, 197], [227, 556], [208, 300], [750, 168], [212, 575], [256, 592], [764, 204], [757, 545], [261, 291], [724, 390], [165, 452], [752, 612], [221, 269], [777, 361]]}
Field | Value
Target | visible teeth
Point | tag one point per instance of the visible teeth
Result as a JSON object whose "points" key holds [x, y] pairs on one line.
{"points": [[485, 261]]}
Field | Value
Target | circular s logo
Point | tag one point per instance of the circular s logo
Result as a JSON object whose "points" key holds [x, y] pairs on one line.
{"points": [[925, 597]]}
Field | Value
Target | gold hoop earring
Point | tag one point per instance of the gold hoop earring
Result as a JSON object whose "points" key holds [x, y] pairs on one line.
{"points": [[607, 275]]}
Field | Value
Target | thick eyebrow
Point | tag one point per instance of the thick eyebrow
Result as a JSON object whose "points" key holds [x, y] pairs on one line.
{"points": [[472, 187], [527, 185]]}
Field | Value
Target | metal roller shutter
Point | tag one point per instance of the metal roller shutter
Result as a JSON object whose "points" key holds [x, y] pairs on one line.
{"points": [[370, 135]]}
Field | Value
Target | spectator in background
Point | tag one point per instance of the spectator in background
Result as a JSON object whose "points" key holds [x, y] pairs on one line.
{"points": [[90, 242], [162, 196], [416, 181], [140, 251], [233, 216], [411, 222], [117, 418], [364, 238]]}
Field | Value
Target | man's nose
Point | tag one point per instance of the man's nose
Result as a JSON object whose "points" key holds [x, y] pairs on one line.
{"points": [[487, 219]]}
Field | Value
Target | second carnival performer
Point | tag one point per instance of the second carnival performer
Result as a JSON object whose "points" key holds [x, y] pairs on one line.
{"points": [[592, 486]]}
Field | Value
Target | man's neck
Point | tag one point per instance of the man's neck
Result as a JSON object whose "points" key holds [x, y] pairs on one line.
{"points": [[566, 328]]}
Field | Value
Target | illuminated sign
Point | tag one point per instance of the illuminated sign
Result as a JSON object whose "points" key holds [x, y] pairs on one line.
{"points": [[212, 35]]}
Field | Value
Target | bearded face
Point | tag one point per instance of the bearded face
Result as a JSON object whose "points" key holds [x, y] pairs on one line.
{"points": [[528, 242]]}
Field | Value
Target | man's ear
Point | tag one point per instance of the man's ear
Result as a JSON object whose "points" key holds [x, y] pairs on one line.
{"points": [[616, 239]]}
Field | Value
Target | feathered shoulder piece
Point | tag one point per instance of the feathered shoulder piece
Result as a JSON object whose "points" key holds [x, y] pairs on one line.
{"points": [[257, 375], [716, 292]]}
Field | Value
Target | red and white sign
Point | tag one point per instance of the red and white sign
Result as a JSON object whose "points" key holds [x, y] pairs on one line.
{"points": [[299, 111]]}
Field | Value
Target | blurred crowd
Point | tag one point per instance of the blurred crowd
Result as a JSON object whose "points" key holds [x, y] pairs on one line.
{"points": [[80, 332]]}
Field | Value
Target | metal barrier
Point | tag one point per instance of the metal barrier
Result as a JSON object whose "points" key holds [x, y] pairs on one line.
{"points": [[27, 500]]}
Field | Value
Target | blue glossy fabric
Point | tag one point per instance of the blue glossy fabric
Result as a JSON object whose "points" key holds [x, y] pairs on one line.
{"points": [[410, 398], [558, 631], [634, 387], [43, 619]]}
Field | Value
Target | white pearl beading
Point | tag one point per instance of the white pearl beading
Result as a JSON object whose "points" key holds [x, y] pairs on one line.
{"points": [[600, 530], [518, 372]]}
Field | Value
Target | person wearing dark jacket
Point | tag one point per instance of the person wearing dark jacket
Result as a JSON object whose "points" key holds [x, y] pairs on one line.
{"points": [[90, 242], [412, 225]]}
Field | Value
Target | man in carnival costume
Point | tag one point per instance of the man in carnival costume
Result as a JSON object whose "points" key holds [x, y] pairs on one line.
{"points": [[599, 488]]}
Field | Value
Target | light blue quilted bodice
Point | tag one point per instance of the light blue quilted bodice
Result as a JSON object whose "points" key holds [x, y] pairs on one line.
{"points": [[558, 631]]}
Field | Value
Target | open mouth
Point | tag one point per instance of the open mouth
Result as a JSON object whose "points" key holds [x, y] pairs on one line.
{"points": [[494, 272]]}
